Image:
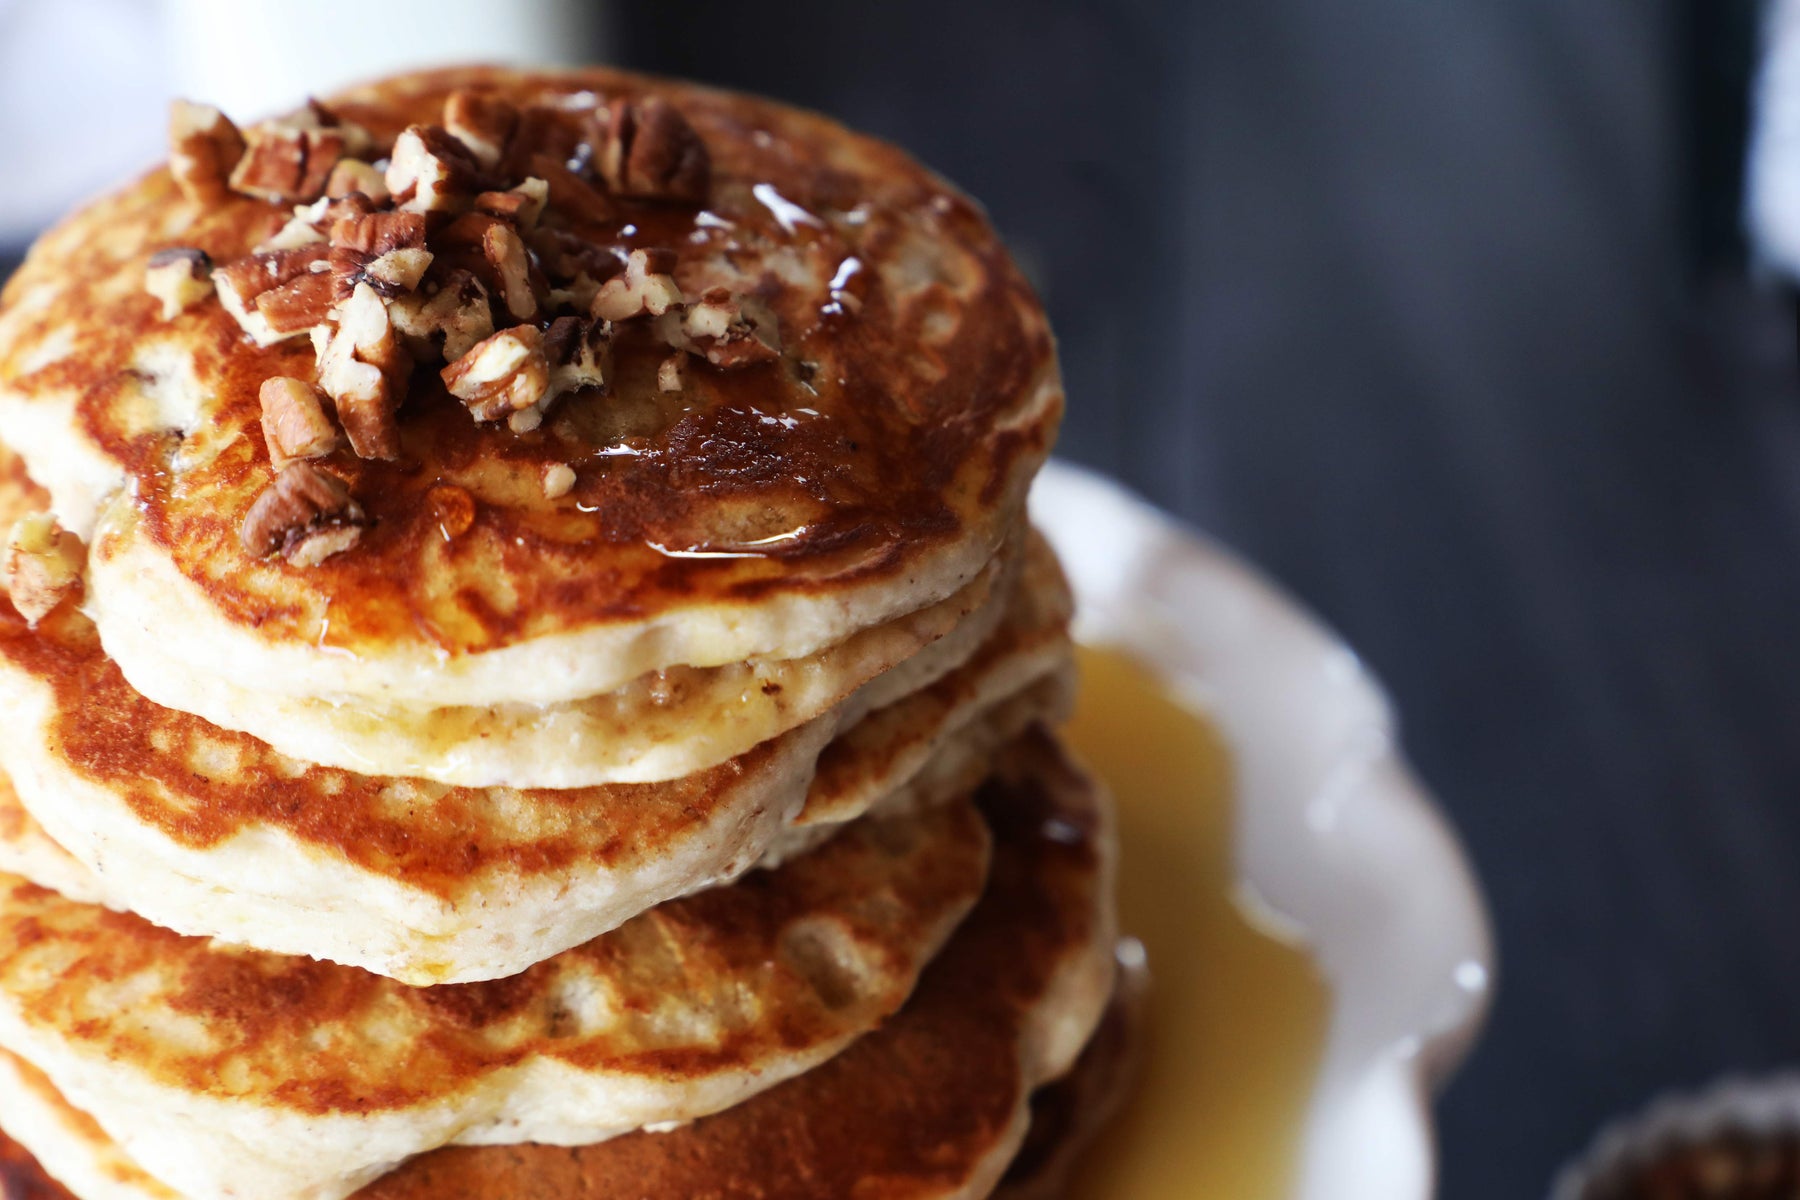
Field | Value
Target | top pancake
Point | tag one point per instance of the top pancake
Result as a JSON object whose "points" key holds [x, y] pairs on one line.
{"points": [[767, 511]]}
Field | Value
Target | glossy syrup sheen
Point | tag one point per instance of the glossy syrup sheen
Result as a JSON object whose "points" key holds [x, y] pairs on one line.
{"points": [[1237, 1015]]}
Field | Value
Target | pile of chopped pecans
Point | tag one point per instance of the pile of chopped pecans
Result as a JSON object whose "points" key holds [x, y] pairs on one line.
{"points": [[447, 250]]}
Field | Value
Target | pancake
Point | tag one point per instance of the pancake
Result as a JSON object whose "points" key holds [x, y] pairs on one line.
{"points": [[1068, 1114], [1065, 1116], [662, 726], [870, 470], [210, 832], [228, 1071], [934, 1104]]}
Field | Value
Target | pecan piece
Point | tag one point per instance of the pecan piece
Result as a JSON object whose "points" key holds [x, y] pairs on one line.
{"points": [[559, 480], [458, 311], [307, 514], [302, 228], [728, 330], [363, 368], [386, 250], [287, 165], [579, 353], [180, 276], [506, 253], [504, 374], [204, 148], [299, 304], [482, 122], [522, 205], [375, 233], [565, 136], [566, 257], [352, 176], [647, 286], [294, 421], [571, 196], [241, 281], [42, 564], [651, 152], [430, 171]]}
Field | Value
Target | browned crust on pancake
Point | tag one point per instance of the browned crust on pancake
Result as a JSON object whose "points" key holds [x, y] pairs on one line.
{"points": [[316, 1037], [1069, 1114], [897, 457], [22, 1179], [432, 837], [912, 1110]]}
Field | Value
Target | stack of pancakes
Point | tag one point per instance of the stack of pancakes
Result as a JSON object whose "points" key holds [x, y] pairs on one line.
{"points": [[609, 753]]}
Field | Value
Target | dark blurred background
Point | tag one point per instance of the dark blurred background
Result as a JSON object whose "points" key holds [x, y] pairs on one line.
{"points": [[1440, 312]]}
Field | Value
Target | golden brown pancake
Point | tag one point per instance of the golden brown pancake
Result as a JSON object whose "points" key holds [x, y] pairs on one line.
{"points": [[1067, 1115], [211, 832], [237, 1072], [769, 511], [934, 1104]]}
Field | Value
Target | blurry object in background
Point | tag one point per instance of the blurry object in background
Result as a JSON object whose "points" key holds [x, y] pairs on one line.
{"points": [[263, 57], [1772, 184], [82, 84]]}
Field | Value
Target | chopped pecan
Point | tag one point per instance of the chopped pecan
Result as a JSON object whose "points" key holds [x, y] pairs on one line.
{"points": [[353, 176], [363, 368], [579, 353], [458, 312], [294, 421], [242, 281], [559, 480], [522, 205], [671, 373], [506, 253], [43, 566], [385, 250], [204, 148], [396, 271], [430, 171], [376, 233], [482, 122], [566, 257], [562, 135], [179, 277], [573, 197], [287, 165], [651, 152], [647, 286], [313, 117], [299, 304], [302, 228], [307, 514], [729, 330], [504, 374]]}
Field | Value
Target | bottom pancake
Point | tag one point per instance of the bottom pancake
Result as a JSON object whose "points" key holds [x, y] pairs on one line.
{"points": [[1065, 1116], [934, 1104]]}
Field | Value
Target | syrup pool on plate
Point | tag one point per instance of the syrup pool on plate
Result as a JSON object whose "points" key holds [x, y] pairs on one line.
{"points": [[1237, 1014]]}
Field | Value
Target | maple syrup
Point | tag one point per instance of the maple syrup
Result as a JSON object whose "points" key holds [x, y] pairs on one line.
{"points": [[1237, 1013]]}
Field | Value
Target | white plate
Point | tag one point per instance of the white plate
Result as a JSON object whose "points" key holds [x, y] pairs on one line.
{"points": [[1335, 836]]}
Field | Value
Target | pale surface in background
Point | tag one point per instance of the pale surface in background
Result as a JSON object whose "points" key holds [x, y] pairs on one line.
{"points": [[251, 58], [84, 84]]}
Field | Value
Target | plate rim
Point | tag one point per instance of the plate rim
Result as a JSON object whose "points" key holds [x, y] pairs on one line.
{"points": [[1334, 834]]}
